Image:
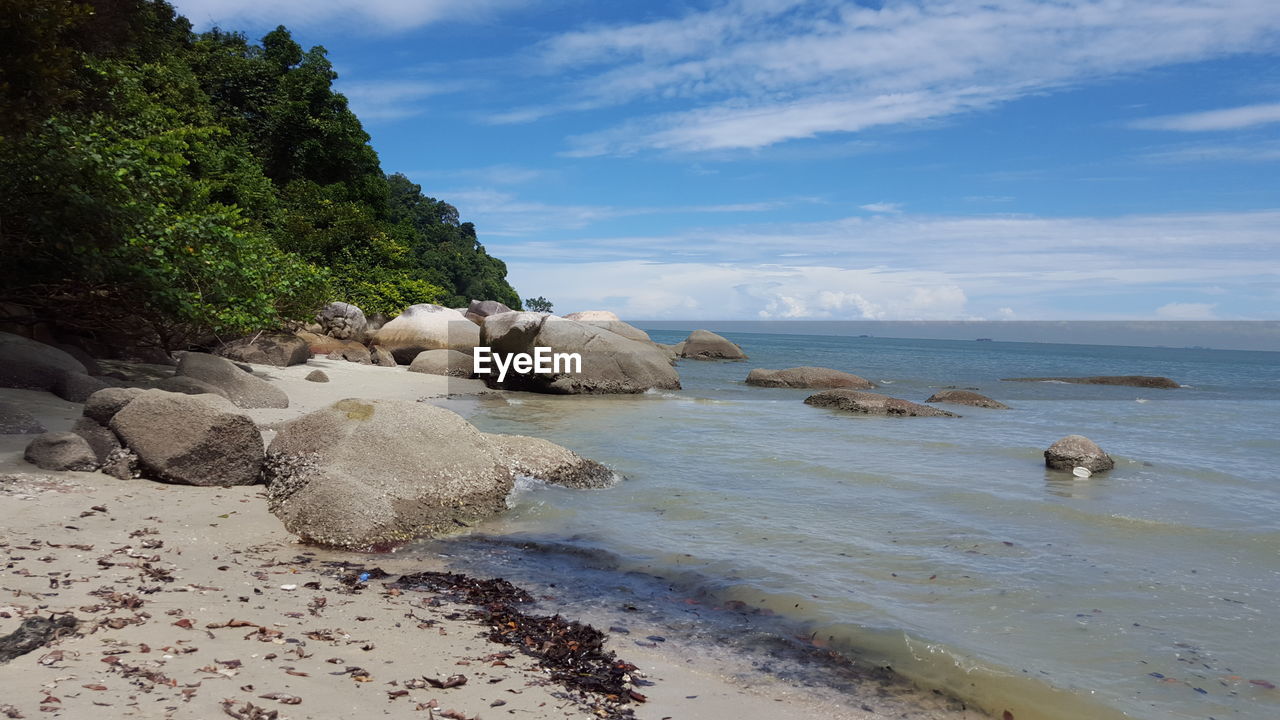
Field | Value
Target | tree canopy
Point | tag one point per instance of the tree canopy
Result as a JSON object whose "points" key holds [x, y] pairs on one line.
{"points": [[178, 186]]}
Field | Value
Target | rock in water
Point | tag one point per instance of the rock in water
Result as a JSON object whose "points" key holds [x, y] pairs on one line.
{"points": [[866, 403], [546, 461], [706, 345], [29, 364], [966, 397], [363, 473], [1145, 381], [191, 439], [281, 349], [61, 451], [343, 321], [245, 390], [317, 376], [427, 327], [1075, 451], [104, 404], [481, 309], [16, 421], [442, 362], [807, 377], [610, 363]]}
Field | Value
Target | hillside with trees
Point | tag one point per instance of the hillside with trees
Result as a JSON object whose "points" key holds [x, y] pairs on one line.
{"points": [[165, 187]]}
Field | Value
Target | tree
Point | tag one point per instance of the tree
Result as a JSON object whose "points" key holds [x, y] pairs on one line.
{"points": [[538, 304]]}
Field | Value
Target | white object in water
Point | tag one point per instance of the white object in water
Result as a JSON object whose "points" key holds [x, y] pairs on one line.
{"points": [[1141, 400], [1081, 472]]}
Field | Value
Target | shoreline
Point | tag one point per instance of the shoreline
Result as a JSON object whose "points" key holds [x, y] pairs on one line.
{"points": [[186, 596]]}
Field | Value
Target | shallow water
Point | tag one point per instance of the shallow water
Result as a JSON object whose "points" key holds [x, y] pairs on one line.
{"points": [[941, 546]]}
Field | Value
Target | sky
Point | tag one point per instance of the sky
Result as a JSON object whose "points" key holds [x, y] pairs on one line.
{"points": [[833, 160]]}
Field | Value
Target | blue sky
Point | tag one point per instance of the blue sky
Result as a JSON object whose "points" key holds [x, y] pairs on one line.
{"points": [[819, 159]]}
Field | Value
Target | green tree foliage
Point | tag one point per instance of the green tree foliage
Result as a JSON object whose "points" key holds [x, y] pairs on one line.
{"points": [[538, 304], [200, 184]]}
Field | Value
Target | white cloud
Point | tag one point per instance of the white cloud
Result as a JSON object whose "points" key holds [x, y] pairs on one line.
{"points": [[751, 73], [1227, 119], [1267, 151], [355, 15], [1186, 311], [390, 99], [882, 207]]}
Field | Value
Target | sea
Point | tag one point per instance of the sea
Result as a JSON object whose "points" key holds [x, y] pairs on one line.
{"points": [[939, 547]]}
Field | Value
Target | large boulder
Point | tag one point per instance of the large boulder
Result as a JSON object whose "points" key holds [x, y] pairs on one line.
{"points": [[104, 404], [352, 352], [100, 439], [481, 309], [244, 389], [191, 439], [281, 349], [617, 327], [323, 344], [706, 345], [807, 377], [865, 403], [1075, 451], [427, 327], [966, 397], [343, 321], [549, 462], [189, 386], [382, 357], [14, 420], [61, 451], [77, 387], [610, 362], [1143, 381], [442, 362], [367, 473], [30, 364]]}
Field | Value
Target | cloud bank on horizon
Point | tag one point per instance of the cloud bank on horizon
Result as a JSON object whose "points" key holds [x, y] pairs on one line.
{"points": [[897, 159]]}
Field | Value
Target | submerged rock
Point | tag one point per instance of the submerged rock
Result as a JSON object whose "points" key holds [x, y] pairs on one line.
{"points": [[966, 397], [706, 345], [61, 451], [191, 439], [866, 403], [1075, 451], [807, 377], [1143, 381], [549, 462]]}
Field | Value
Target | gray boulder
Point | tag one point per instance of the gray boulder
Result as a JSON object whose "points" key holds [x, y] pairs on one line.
{"points": [[706, 345], [442, 362], [549, 462], [368, 473], [77, 387], [343, 321], [281, 349], [244, 389], [100, 439], [865, 403], [26, 363], [191, 439], [610, 362], [104, 404], [16, 421], [382, 357], [1075, 451], [427, 327], [189, 386], [966, 397], [317, 376], [481, 309], [807, 377], [61, 451]]}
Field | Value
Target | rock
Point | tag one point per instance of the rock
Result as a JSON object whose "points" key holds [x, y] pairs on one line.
{"points": [[317, 376], [546, 461], [352, 352], [322, 344], [61, 451], [191, 439], [26, 363], [281, 349], [16, 421], [1075, 451], [427, 327], [1143, 381], [866, 403], [706, 345], [189, 386], [104, 404], [610, 362], [365, 473], [617, 327], [966, 397], [245, 390], [101, 440], [382, 357], [442, 362], [90, 363], [343, 321], [481, 309], [807, 377], [77, 387]]}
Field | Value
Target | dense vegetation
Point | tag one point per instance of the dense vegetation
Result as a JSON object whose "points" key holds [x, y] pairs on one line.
{"points": [[172, 186]]}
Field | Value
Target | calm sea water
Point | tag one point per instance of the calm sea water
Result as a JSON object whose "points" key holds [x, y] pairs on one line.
{"points": [[941, 547]]}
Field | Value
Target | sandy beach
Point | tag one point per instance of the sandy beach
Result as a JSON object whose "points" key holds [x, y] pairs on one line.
{"points": [[195, 602]]}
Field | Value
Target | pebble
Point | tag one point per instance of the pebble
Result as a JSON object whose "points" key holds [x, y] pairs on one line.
{"points": [[288, 587]]}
